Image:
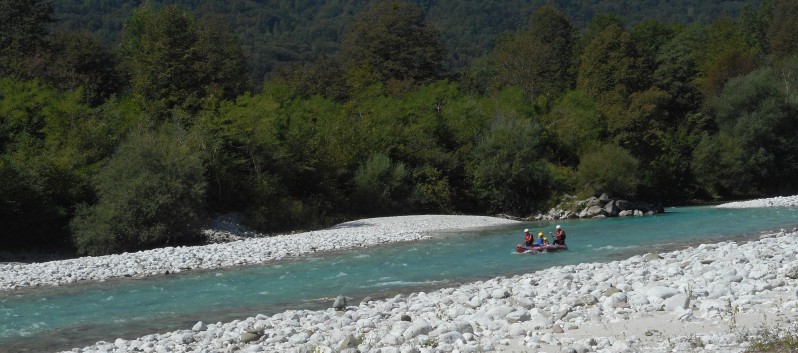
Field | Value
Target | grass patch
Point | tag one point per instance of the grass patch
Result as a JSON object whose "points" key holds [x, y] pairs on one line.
{"points": [[771, 342]]}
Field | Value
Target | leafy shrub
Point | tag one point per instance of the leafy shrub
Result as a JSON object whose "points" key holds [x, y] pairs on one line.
{"points": [[379, 184], [577, 123], [432, 192], [610, 169], [754, 151], [508, 171], [150, 194], [720, 167]]}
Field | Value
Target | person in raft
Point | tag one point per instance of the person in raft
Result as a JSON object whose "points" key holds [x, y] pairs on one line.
{"points": [[559, 237], [529, 239]]}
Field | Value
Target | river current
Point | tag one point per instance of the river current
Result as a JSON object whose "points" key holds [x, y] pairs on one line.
{"points": [[60, 318]]}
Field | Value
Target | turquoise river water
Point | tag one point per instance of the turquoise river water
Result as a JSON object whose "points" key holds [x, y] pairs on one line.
{"points": [[60, 318]]}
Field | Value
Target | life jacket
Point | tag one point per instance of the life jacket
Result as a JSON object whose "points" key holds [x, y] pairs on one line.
{"points": [[528, 237]]}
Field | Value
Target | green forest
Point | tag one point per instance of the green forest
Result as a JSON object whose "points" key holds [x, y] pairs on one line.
{"points": [[275, 32], [127, 128]]}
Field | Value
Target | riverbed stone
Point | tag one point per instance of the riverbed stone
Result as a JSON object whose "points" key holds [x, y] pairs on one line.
{"points": [[499, 312], [518, 316], [420, 327], [451, 337], [681, 301], [339, 303], [661, 292], [747, 285], [611, 209], [585, 300], [651, 257], [247, 337], [500, 293], [592, 212], [199, 326]]}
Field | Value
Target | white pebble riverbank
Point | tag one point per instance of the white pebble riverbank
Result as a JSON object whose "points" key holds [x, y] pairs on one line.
{"points": [[782, 201], [709, 298], [355, 234]]}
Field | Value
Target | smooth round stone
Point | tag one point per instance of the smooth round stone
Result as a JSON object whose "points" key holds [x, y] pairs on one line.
{"points": [[247, 337]]}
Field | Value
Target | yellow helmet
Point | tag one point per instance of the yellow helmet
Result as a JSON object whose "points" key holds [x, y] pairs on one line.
{"points": [[540, 234]]}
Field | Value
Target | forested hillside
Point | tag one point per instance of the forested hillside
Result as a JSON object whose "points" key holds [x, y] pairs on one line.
{"points": [[275, 32], [107, 148]]}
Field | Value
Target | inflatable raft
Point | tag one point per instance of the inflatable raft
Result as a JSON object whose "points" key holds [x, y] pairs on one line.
{"points": [[523, 249]]}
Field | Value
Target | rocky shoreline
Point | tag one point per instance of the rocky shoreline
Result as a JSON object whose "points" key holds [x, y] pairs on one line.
{"points": [[713, 297], [235, 246], [710, 298], [781, 201], [598, 207], [248, 250]]}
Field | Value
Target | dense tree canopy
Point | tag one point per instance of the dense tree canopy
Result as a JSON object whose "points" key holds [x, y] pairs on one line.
{"points": [[277, 32], [107, 148]]}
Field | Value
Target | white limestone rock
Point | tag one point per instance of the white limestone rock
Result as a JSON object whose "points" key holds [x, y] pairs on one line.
{"points": [[680, 301], [661, 292]]}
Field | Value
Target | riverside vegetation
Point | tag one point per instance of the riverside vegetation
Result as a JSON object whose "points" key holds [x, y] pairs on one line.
{"points": [[111, 148]]}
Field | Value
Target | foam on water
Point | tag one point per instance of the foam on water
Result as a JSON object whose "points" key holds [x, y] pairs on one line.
{"points": [[405, 284], [614, 247], [339, 275]]}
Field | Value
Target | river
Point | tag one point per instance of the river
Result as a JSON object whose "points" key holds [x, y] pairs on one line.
{"points": [[60, 318]]}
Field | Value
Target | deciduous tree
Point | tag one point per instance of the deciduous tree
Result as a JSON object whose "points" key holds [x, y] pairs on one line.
{"points": [[784, 29], [676, 72], [611, 67], [392, 39], [160, 45], [540, 59], [724, 55], [23, 31], [177, 64], [76, 60], [754, 117]]}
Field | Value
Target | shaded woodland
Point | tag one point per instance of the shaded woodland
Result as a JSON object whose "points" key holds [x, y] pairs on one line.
{"points": [[128, 135]]}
